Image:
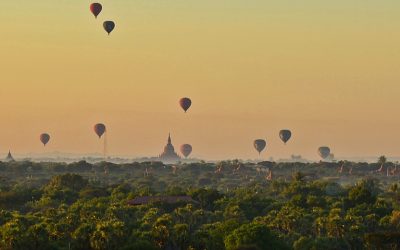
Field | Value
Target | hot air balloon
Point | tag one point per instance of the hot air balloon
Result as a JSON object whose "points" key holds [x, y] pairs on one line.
{"points": [[186, 149], [259, 145], [44, 138], [96, 8], [109, 26], [285, 135], [185, 103], [99, 129], [324, 152]]}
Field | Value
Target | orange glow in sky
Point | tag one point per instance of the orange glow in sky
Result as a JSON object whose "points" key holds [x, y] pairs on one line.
{"points": [[329, 71]]}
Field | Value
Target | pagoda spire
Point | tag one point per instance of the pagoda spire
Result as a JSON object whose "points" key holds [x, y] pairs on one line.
{"points": [[9, 157], [169, 154]]}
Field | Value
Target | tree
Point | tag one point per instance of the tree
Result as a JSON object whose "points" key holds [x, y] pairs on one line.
{"points": [[386, 240], [139, 245], [81, 236], [181, 236], [107, 235], [395, 219], [290, 219], [255, 235], [38, 237], [335, 223], [71, 181], [365, 191], [13, 235], [209, 236], [161, 230], [206, 197], [319, 243], [298, 176], [382, 159]]}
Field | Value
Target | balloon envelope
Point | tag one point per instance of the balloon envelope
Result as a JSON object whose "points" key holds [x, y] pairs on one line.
{"points": [[109, 26], [44, 138], [324, 152], [185, 103], [259, 145], [96, 8], [99, 129], [285, 135], [186, 149]]}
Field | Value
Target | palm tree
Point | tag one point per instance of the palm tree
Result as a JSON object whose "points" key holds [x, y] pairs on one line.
{"points": [[340, 170], [381, 160]]}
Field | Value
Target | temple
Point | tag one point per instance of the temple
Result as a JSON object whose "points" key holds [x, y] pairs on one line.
{"points": [[9, 157], [169, 155]]}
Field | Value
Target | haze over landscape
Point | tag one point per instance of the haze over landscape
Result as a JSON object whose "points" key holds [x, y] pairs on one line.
{"points": [[199, 125], [326, 70]]}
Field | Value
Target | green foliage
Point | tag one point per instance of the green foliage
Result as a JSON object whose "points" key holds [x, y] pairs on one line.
{"points": [[256, 235], [382, 159], [319, 243], [365, 191], [107, 235], [49, 206], [73, 182], [383, 240]]}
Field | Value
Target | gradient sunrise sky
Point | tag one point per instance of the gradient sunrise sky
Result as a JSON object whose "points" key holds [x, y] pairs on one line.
{"points": [[327, 70]]}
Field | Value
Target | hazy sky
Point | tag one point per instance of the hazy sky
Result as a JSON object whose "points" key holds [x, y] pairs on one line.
{"points": [[327, 70]]}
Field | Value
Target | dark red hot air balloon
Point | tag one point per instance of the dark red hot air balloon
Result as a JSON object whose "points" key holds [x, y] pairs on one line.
{"points": [[44, 138], [109, 26], [285, 135], [186, 149], [260, 145], [96, 8], [185, 103], [99, 129], [324, 152]]}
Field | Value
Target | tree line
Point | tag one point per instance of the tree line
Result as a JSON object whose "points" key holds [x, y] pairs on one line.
{"points": [[85, 206]]}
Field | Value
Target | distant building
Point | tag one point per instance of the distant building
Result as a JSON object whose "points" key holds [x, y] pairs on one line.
{"points": [[169, 155], [144, 200], [9, 157]]}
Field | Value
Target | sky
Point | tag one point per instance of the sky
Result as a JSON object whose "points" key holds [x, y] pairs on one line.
{"points": [[327, 70]]}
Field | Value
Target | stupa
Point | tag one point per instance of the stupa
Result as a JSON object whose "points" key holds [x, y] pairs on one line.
{"points": [[9, 157], [169, 155]]}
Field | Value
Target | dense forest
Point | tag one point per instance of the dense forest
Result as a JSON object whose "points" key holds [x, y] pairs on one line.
{"points": [[232, 205]]}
